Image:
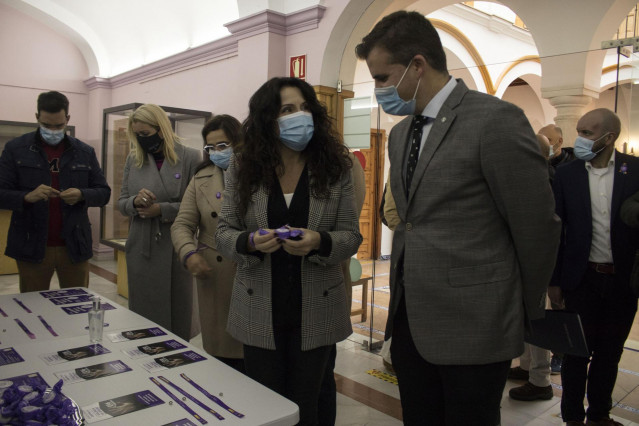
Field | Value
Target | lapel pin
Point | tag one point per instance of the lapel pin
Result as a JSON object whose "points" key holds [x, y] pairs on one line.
{"points": [[443, 119], [623, 169], [218, 195], [177, 175]]}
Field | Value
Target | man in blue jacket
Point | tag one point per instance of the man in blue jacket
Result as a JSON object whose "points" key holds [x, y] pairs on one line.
{"points": [[50, 179]]}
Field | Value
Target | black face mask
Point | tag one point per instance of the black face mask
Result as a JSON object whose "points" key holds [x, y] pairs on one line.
{"points": [[150, 143]]}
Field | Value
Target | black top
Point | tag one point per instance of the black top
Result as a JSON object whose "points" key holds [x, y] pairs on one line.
{"points": [[286, 269]]}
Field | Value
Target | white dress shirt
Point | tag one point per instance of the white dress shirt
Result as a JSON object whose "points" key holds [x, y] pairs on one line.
{"points": [[600, 182]]}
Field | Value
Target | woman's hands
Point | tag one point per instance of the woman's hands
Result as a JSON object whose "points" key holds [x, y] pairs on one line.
{"points": [[145, 204], [270, 242], [197, 266]]}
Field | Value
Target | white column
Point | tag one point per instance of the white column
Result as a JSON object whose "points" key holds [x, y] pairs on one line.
{"points": [[569, 111]]}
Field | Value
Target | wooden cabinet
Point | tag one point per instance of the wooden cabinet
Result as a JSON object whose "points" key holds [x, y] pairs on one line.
{"points": [[370, 221]]}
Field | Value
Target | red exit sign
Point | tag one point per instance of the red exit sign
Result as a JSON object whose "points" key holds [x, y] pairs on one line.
{"points": [[297, 67]]}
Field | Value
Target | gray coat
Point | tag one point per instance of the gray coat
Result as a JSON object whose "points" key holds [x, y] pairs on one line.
{"points": [[325, 314], [477, 234], [160, 289]]}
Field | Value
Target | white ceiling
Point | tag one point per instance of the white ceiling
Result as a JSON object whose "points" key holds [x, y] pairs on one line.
{"points": [[119, 35]]}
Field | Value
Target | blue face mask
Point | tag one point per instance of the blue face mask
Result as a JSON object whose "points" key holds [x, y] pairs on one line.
{"points": [[390, 100], [551, 152], [221, 158], [583, 148], [51, 137], [296, 130]]}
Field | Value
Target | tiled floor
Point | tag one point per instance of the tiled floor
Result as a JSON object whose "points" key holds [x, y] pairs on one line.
{"points": [[364, 399]]}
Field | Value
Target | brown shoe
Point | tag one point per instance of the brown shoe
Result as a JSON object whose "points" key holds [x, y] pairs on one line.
{"points": [[518, 373], [530, 392], [603, 422]]}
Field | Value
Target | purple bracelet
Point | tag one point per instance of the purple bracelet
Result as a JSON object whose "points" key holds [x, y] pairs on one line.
{"points": [[186, 256]]}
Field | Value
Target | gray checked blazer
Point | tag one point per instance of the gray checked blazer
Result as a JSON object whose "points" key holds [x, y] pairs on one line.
{"points": [[478, 235], [325, 314]]}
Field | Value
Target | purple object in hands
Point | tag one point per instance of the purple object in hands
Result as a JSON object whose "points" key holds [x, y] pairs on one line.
{"points": [[296, 233], [283, 233], [262, 231]]}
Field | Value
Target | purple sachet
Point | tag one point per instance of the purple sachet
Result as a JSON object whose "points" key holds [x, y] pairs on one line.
{"points": [[297, 233], [283, 233], [262, 231]]}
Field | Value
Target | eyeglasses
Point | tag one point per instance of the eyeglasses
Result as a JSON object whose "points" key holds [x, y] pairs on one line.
{"points": [[218, 147]]}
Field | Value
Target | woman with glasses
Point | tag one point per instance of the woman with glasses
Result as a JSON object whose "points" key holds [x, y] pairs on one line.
{"points": [[156, 174], [198, 216], [288, 220]]}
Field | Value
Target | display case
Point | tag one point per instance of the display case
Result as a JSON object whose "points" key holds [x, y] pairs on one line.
{"points": [[187, 124]]}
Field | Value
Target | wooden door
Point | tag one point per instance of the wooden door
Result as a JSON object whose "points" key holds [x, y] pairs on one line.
{"points": [[369, 221]]}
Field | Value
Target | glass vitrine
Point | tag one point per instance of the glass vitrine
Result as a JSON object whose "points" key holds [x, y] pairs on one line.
{"points": [[115, 147]]}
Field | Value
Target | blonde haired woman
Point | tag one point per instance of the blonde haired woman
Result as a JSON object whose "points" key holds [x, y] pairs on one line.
{"points": [[156, 174]]}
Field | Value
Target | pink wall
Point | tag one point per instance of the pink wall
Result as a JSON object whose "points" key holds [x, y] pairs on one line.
{"points": [[35, 59]]}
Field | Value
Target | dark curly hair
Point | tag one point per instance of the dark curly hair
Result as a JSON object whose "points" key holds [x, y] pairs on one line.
{"points": [[258, 156]]}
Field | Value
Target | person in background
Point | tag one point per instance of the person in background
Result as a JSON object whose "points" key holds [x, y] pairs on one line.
{"points": [[156, 174], [474, 250], [289, 303], [594, 263], [198, 217], [534, 363], [558, 156], [49, 180]]}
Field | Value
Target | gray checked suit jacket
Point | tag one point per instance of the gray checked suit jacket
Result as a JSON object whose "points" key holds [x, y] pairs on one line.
{"points": [[478, 234], [325, 314]]}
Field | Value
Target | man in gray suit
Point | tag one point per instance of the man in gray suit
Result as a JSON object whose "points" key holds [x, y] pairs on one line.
{"points": [[475, 248]]}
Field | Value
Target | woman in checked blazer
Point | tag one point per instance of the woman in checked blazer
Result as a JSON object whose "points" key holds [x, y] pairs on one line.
{"points": [[289, 302]]}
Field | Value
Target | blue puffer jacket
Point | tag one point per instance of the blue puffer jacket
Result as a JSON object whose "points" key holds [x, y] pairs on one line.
{"points": [[23, 167]]}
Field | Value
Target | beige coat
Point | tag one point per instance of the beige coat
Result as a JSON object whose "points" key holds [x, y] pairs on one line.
{"points": [[199, 214]]}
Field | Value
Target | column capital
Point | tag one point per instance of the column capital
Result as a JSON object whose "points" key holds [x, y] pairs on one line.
{"points": [[569, 108]]}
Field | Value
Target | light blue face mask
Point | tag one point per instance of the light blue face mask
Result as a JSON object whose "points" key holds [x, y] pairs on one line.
{"points": [[391, 102], [583, 148], [296, 130], [51, 137], [221, 158], [551, 152]]}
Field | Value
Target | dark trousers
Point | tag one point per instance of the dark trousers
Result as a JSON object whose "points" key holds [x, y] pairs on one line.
{"points": [[451, 395], [289, 371], [607, 309], [327, 408]]}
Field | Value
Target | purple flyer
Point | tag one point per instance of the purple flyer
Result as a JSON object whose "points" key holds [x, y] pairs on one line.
{"points": [[183, 358], [120, 406], [67, 300], [181, 422], [74, 354], [83, 309], [93, 372], [142, 333], [32, 379], [49, 294], [9, 356]]}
